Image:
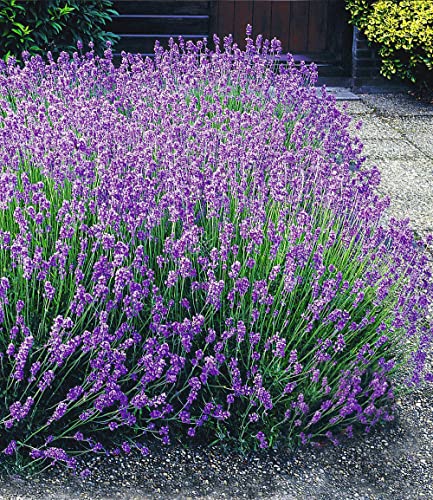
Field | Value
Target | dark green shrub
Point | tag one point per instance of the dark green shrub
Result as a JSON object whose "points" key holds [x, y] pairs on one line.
{"points": [[403, 31], [56, 25]]}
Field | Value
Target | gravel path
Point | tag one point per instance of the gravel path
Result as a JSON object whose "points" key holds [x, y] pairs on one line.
{"points": [[391, 463]]}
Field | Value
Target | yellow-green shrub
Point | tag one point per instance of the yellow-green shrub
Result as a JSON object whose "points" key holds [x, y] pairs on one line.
{"points": [[403, 31]]}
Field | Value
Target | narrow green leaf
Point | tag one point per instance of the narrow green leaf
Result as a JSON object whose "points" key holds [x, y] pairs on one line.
{"points": [[21, 26]]}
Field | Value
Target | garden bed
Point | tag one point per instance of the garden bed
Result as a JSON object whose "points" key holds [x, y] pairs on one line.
{"points": [[188, 257]]}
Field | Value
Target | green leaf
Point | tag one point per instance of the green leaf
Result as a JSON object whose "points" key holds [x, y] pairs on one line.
{"points": [[57, 27], [17, 31], [21, 26], [66, 10]]}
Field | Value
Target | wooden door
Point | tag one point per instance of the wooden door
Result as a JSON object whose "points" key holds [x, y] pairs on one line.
{"points": [[312, 30]]}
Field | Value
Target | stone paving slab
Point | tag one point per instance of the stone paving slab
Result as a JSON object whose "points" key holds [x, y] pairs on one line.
{"points": [[419, 212], [384, 149], [375, 129], [355, 108], [418, 130], [400, 104], [342, 94]]}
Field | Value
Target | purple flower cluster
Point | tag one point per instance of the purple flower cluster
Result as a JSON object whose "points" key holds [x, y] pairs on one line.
{"points": [[193, 246]]}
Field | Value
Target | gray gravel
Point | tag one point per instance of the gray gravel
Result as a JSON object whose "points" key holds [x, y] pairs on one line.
{"points": [[395, 462], [397, 133]]}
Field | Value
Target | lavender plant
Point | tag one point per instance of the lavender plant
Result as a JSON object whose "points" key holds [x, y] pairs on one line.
{"points": [[192, 249]]}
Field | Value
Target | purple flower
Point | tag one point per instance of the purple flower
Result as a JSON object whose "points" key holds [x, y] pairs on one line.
{"points": [[60, 410], [10, 448], [21, 358], [215, 290], [75, 393], [10, 351], [19, 411], [263, 443], [126, 447], [253, 417], [280, 348], [230, 398], [56, 454], [36, 454], [46, 380], [85, 473], [49, 290], [78, 436]]}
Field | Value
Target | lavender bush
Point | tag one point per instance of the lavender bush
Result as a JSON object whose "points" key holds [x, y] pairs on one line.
{"points": [[191, 248]]}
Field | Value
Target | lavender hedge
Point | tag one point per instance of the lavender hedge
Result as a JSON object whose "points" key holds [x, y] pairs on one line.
{"points": [[192, 249]]}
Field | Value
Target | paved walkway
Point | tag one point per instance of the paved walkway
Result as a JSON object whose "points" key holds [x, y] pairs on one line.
{"points": [[397, 134]]}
